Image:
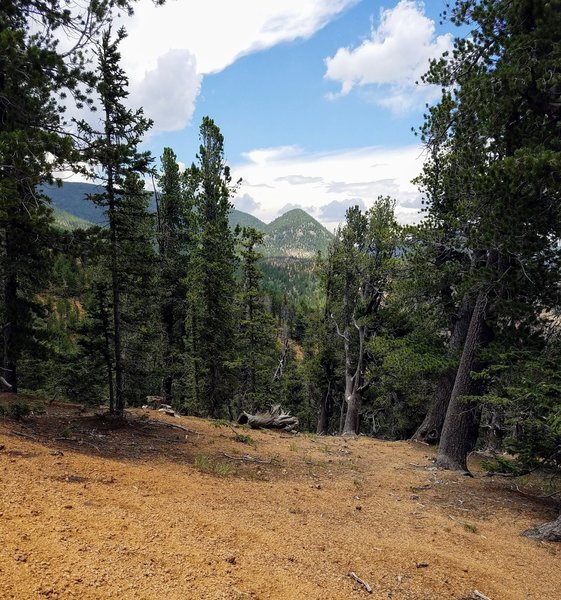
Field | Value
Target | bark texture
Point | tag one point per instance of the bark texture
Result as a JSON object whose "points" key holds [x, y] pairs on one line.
{"points": [[274, 418], [325, 411], [462, 417], [550, 532], [10, 328], [430, 429]]}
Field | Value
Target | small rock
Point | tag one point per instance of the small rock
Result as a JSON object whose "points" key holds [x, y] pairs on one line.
{"points": [[57, 453], [358, 507], [231, 560], [421, 565]]}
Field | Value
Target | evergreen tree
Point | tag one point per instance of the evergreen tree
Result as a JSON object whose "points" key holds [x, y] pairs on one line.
{"points": [[114, 150], [495, 129], [255, 346], [213, 278], [36, 75], [363, 254], [176, 242]]}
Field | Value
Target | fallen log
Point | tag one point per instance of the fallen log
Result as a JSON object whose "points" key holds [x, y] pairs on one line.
{"points": [[274, 418]]}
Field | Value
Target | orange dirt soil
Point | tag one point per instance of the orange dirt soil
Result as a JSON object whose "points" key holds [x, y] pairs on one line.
{"points": [[93, 510]]}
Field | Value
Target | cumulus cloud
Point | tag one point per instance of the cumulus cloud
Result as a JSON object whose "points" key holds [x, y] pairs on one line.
{"points": [[246, 203], [289, 206], [218, 32], [392, 59], [169, 48], [336, 209], [169, 91]]}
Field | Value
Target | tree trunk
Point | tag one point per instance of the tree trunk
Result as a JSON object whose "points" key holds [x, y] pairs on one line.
{"points": [[116, 289], [356, 387], [274, 418], [119, 372], [430, 429], [462, 417], [550, 532], [107, 349], [10, 330], [352, 419], [495, 432], [167, 319], [325, 412]]}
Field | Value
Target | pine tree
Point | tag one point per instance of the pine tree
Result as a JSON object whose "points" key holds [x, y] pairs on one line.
{"points": [[176, 243], [494, 134], [212, 281], [362, 258], [114, 151], [255, 346], [36, 76]]}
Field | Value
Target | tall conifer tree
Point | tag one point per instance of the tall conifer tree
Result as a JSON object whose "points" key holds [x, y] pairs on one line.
{"points": [[214, 271], [114, 150]]}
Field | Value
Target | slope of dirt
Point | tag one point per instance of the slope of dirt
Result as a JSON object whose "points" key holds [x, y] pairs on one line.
{"points": [[93, 509]]}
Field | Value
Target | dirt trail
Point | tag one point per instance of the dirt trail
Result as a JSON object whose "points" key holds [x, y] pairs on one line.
{"points": [[151, 512]]}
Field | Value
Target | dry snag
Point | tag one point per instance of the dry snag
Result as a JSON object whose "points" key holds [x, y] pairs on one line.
{"points": [[274, 418]]}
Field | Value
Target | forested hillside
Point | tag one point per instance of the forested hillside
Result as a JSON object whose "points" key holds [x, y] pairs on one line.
{"points": [[295, 233], [445, 332], [290, 246]]}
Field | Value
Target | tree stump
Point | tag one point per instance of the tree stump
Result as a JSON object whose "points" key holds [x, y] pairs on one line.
{"points": [[550, 532]]}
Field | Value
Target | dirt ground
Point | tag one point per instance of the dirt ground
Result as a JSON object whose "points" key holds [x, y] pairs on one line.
{"points": [[92, 510]]}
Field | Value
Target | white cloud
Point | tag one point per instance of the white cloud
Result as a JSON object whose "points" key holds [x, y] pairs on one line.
{"points": [[168, 92], [289, 206], [336, 209], [246, 203], [325, 182], [262, 156], [218, 32], [300, 179], [170, 47], [395, 56]]}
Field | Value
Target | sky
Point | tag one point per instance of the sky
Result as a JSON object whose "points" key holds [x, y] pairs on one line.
{"points": [[316, 99]]}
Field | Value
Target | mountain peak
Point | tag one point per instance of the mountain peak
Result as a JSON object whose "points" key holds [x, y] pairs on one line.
{"points": [[294, 234], [297, 234]]}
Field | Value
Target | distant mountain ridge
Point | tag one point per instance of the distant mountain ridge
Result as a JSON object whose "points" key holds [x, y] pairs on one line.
{"points": [[294, 234]]}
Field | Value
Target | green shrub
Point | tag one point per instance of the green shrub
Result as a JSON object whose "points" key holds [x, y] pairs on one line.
{"points": [[18, 410]]}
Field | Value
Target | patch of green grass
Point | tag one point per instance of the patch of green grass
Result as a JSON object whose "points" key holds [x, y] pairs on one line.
{"points": [[202, 463], [293, 447], [244, 439], [220, 422], [205, 465], [223, 469]]}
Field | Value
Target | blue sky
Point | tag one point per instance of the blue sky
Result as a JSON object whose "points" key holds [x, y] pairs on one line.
{"points": [[315, 98]]}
